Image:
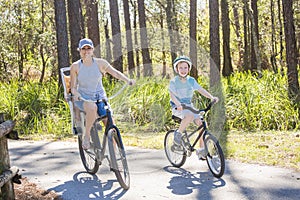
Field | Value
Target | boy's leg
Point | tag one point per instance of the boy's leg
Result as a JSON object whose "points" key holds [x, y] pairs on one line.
{"points": [[201, 151], [187, 119]]}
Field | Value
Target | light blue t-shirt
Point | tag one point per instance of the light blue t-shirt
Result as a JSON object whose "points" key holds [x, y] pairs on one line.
{"points": [[184, 91]]}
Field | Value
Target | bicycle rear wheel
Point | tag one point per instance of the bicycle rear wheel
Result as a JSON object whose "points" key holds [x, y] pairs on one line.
{"points": [[215, 157], [175, 154], [89, 157], [118, 157]]}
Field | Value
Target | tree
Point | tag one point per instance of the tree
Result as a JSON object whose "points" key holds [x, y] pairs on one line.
{"points": [[107, 42], [147, 62], [193, 40], [291, 54], [136, 43], [217, 117], [227, 65], [92, 23], [238, 35], [246, 25], [75, 26], [255, 52], [214, 38], [61, 35], [116, 35], [130, 56]]}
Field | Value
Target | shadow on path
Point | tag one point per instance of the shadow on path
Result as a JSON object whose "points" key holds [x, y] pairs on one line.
{"points": [[184, 182], [88, 186]]}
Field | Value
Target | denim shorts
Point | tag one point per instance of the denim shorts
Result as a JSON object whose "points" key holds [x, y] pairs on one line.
{"points": [[79, 105]]}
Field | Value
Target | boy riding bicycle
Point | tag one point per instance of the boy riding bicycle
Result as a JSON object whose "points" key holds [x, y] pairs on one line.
{"points": [[182, 88]]}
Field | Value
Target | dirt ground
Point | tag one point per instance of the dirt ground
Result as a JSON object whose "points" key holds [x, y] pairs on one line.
{"points": [[30, 191]]}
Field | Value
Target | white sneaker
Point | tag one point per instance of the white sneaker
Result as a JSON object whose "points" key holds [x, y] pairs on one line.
{"points": [[201, 153], [177, 137]]}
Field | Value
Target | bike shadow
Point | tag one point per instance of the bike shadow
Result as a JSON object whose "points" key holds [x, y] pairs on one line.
{"points": [[185, 182], [89, 186]]}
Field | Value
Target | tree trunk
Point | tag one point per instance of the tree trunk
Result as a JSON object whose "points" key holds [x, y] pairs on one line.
{"points": [[171, 28], [147, 63], [193, 39], [130, 56], [136, 42], [227, 65], [61, 35], [214, 38], [291, 54], [246, 37], [273, 39], [107, 43], [116, 35], [75, 27], [238, 35], [218, 113], [42, 45], [281, 37], [92, 23], [253, 16]]}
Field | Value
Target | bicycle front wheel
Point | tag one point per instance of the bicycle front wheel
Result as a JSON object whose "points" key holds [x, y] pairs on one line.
{"points": [[215, 157], [89, 157], [118, 157], [176, 154]]}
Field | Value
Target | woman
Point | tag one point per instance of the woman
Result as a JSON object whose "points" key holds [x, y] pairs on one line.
{"points": [[86, 82]]}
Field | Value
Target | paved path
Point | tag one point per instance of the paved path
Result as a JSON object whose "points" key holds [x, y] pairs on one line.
{"points": [[57, 166]]}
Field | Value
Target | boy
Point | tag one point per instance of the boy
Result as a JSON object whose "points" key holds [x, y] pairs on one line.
{"points": [[181, 89]]}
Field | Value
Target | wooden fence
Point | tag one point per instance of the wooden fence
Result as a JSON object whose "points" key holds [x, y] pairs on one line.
{"points": [[7, 174]]}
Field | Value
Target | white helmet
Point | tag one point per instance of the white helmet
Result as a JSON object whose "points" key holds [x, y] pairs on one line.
{"points": [[182, 59]]}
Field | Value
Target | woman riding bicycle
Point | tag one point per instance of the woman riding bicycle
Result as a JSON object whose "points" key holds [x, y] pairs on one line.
{"points": [[182, 88], [86, 82]]}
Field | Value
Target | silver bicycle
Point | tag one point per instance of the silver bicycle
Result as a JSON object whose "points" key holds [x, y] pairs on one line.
{"points": [[92, 158]]}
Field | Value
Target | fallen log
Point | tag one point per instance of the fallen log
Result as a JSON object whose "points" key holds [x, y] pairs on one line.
{"points": [[6, 127], [7, 175]]}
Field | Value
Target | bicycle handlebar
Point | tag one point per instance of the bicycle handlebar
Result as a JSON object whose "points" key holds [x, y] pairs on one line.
{"points": [[200, 110]]}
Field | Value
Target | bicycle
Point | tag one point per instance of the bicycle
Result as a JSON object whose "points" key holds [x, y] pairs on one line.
{"points": [[92, 158], [214, 153]]}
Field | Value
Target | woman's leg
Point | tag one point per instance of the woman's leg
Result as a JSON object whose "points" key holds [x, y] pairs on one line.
{"points": [[90, 117]]}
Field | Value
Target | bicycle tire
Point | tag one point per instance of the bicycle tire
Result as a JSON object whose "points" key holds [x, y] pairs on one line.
{"points": [[176, 157], [118, 157], [89, 157], [215, 157]]}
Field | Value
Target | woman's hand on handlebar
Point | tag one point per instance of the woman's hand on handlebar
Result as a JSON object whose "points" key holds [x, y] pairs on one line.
{"points": [[179, 107], [215, 100], [131, 82]]}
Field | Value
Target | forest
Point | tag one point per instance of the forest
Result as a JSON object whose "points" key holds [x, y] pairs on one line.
{"points": [[244, 51]]}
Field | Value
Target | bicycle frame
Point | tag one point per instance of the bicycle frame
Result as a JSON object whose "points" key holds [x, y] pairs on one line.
{"points": [[108, 125], [201, 129]]}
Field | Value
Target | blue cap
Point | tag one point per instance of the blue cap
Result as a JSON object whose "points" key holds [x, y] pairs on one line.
{"points": [[85, 42]]}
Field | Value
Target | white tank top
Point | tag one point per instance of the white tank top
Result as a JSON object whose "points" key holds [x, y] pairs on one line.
{"points": [[89, 81]]}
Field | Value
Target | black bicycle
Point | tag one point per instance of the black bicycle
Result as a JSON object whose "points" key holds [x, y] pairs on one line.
{"points": [[177, 154], [92, 158]]}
